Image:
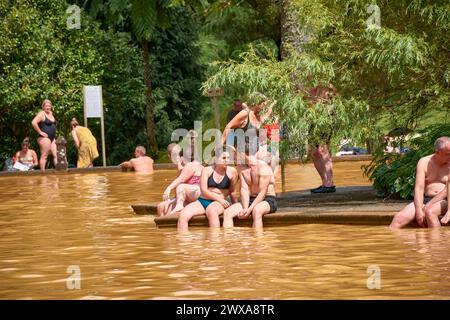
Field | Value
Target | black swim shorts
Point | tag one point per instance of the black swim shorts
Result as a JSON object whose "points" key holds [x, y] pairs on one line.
{"points": [[271, 200]]}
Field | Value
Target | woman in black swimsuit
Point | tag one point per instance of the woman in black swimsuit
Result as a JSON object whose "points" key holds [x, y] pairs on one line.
{"points": [[45, 125], [250, 121], [216, 183]]}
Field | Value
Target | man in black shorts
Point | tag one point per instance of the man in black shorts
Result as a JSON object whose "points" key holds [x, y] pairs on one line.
{"points": [[257, 194]]}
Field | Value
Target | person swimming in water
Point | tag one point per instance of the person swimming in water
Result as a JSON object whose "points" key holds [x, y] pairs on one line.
{"points": [[141, 163]]}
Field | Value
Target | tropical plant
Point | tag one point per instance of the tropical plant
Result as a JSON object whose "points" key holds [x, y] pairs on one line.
{"points": [[142, 18], [386, 76], [40, 58]]}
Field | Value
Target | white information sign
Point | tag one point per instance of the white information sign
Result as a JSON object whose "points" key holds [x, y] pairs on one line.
{"points": [[93, 102], [93, 108]]}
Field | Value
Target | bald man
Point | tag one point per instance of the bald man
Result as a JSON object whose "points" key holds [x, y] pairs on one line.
{"points": [[430, 191], [140, 164]]}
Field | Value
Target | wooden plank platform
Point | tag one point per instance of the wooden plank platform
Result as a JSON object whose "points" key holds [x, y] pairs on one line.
{"points": [[349, 205], [292, 216]]}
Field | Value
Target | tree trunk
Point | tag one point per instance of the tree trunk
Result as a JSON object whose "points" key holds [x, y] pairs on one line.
{"points": [[151, 138], [293, 36]]}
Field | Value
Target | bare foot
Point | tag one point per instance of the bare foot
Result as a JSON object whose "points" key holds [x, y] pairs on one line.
{"points": [[445, 219]]}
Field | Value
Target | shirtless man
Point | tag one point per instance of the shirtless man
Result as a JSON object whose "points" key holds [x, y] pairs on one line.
{"points": [[140, 164], [430, 190], [257, 194]]}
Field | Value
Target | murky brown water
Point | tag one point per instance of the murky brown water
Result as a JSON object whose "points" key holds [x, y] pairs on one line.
{"points": [[50, 223]]}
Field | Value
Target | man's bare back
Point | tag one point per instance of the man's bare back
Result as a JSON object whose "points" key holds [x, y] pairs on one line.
{"points": [[142, 164]]}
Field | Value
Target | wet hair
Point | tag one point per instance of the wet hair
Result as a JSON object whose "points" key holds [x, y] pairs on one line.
{"points": [[141, 149], [25, 142], [74, 123], [220, 149], [441, 142], [44, 102]]}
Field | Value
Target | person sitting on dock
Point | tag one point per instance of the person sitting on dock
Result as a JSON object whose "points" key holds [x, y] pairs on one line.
{"points": [[430, 190], [186, 185], [213, 194], [257, 194], [27, 156], [140, 164]]}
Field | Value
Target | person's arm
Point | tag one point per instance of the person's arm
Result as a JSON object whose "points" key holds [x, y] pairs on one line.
{"points": [[185, 175], [245, 197], [17, 156], [233, 184], [233, 124], [75, 138], [35, 158], [419, 192], [127, 164], [35, 124]]}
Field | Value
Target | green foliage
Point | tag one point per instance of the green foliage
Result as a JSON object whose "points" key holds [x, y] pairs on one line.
{"points": [[177, 76], [239, 23], [123, 89], [280, 80], [386, 77], [174, 72], [394, 174], [40, 58]]}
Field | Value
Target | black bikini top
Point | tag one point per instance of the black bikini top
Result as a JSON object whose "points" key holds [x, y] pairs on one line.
{"points": [[224, 184]]}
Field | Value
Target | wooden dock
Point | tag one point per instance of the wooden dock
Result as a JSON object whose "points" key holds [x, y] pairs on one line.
{"points": [[349, 205]]}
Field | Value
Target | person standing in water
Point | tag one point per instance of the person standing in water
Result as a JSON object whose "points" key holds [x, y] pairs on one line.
{"points": [[45, 125], [141, 164]]}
